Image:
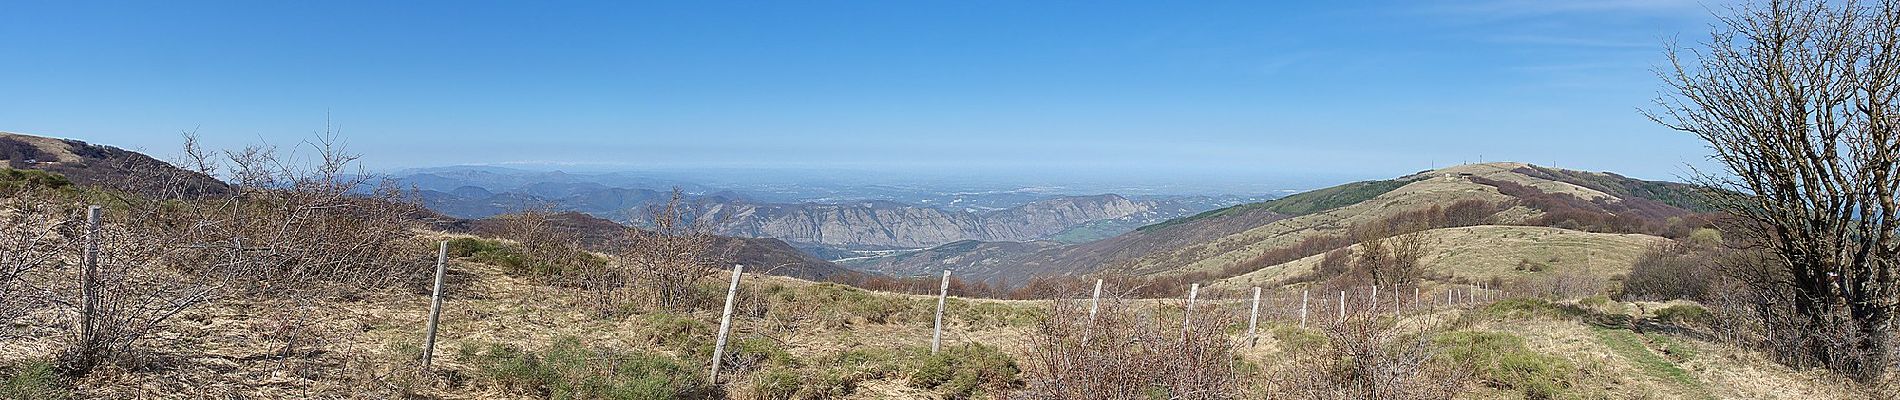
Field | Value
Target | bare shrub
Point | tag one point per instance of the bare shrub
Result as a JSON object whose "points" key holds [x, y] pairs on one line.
{"points": [[288, 223], [1559, 285], [543, 249], [128, 298], [1366, 357], [1670, 271], [1124, 353], [666, 263], [28, 246]]}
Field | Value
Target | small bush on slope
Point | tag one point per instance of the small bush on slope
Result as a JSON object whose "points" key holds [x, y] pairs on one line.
{"points": [[32, 380], [832, 377], [1502, 360], [571, 370], [966, 370]]}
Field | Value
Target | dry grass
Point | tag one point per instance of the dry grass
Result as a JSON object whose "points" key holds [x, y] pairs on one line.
{"points": [[1479, 253], [1619, 363], [1429, 190]]}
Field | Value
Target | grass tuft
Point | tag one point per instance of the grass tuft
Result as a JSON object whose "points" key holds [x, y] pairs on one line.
{"points": [[33, 380], [1503, 361]]}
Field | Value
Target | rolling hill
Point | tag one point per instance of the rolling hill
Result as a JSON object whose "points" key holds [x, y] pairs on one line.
{"points": [[1240, 239], [100, 165]]}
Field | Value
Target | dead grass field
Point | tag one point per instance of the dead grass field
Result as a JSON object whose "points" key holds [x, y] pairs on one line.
{"points": [[1484, 252]]}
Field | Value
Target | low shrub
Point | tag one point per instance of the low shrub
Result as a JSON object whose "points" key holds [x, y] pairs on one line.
{"points": [[1294, 338], [836, 376], [1502, 360], [571, 370], [1526, 308], [13, 180], [963, 371], [683, 335], [492, 252], [33, 380], [1684, 314]]}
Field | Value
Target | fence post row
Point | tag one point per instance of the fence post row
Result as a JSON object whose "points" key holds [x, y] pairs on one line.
{"points": [[943, 293], [435, 304], [725, 322]]}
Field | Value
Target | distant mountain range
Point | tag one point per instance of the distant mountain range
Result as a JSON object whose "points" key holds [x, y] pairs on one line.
{"points": [[824, 225]]}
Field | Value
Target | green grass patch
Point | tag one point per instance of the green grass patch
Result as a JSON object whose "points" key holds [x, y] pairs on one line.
{"points": [[965, 371], [514, 261], [1633, 347], [987, 314], [1292, 337], [572, 370], [835, 376], [1528, 308], [681, 334], [1503, 361], [33, 380], [1684, 314], [12, 180]]}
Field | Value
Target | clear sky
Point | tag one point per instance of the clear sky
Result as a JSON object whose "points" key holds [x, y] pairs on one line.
{"points": [[1229, 90]]}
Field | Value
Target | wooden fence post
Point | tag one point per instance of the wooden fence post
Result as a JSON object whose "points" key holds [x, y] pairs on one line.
{"points": [[943, 293], [1095, 303], [1188, 313], [1253, 318], [1415, 297], [725, 322], [1375, 299], [1304, 296], [88, 274], [1342, 305], [435, 304]]}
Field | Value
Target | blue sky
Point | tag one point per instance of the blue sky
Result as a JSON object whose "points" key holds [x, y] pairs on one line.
{"points": [[1236, 91]]}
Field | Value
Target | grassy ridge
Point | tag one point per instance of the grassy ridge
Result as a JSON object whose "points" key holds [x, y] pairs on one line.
{"points": [[1680, 195], [1299, 204]]}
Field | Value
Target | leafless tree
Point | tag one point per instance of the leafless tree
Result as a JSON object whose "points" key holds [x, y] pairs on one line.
{"points": [[1373, 257], [1796, 98], [1389, 260]]}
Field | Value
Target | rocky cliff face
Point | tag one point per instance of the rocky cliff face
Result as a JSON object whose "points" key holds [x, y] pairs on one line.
{"points": [[878, 224]]}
